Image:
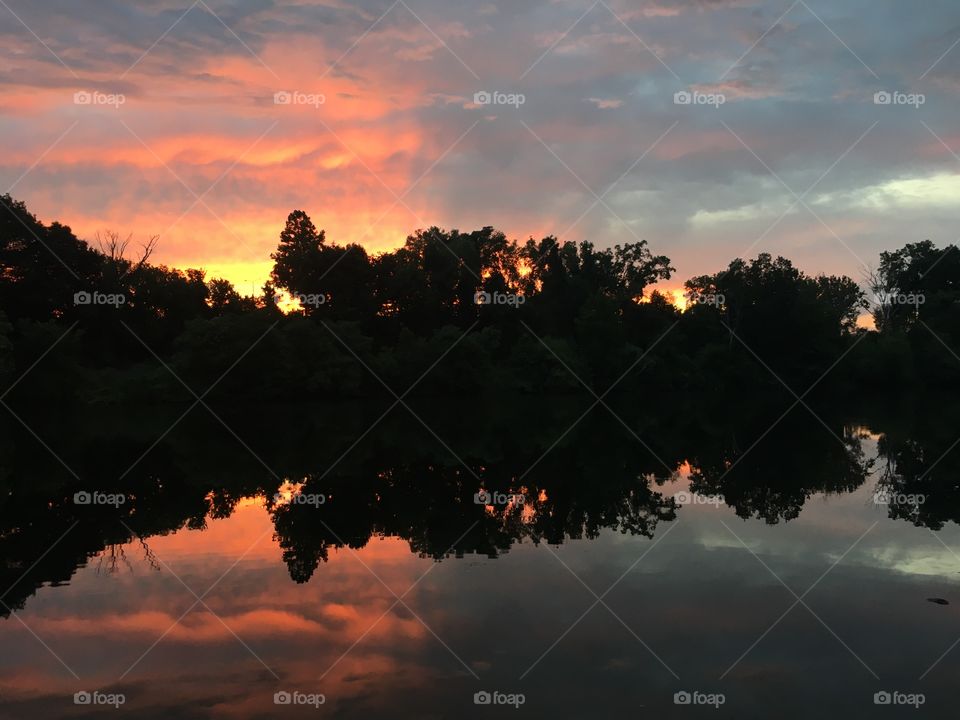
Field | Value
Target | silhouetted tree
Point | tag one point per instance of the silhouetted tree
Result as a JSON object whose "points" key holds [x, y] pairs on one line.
{"points": [[566, 315], [796, 324]]}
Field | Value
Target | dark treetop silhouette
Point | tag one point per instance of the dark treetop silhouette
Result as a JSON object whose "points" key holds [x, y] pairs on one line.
{"points": [[405, 483], [540, 317]]}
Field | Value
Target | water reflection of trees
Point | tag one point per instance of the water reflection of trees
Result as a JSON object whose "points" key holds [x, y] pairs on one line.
{"points": [[773, 478], [594, 479], [920, 467], [402, 481]]}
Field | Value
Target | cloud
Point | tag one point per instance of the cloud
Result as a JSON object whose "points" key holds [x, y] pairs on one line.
{"points": [[606, 104], [398, 121]]}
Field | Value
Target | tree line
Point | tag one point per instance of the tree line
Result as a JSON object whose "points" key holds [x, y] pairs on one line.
{"points": [[454, 312], [403, 482]]}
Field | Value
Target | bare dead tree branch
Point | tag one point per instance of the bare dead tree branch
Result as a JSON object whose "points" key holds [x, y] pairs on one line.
{"points": [[147, 250]]}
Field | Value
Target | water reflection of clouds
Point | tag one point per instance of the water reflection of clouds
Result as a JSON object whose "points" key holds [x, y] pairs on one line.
{"points": [[298, 630], [699, 599], [830, 523]]}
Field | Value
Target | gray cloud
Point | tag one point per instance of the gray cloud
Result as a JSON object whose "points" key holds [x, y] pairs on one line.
{"points": [[599, 90]]}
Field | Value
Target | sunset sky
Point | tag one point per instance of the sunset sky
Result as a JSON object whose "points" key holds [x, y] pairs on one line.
{"points": [[161, 118]]}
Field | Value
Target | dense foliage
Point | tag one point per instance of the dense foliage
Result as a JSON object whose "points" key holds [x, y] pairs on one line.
{"points": [[452, 312]]}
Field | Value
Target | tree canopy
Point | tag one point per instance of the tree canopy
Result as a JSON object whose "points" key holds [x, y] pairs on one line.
{"points": [[535, 316]]}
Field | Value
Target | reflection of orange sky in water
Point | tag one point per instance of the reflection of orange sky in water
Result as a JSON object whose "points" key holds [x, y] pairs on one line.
{"points": [[298, 630], [100, 624]]}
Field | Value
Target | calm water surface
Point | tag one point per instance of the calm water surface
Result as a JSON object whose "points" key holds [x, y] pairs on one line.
{"points": [[613, 587]]}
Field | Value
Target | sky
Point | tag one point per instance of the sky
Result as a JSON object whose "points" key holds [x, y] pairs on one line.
{"points": [[712, 129]]}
